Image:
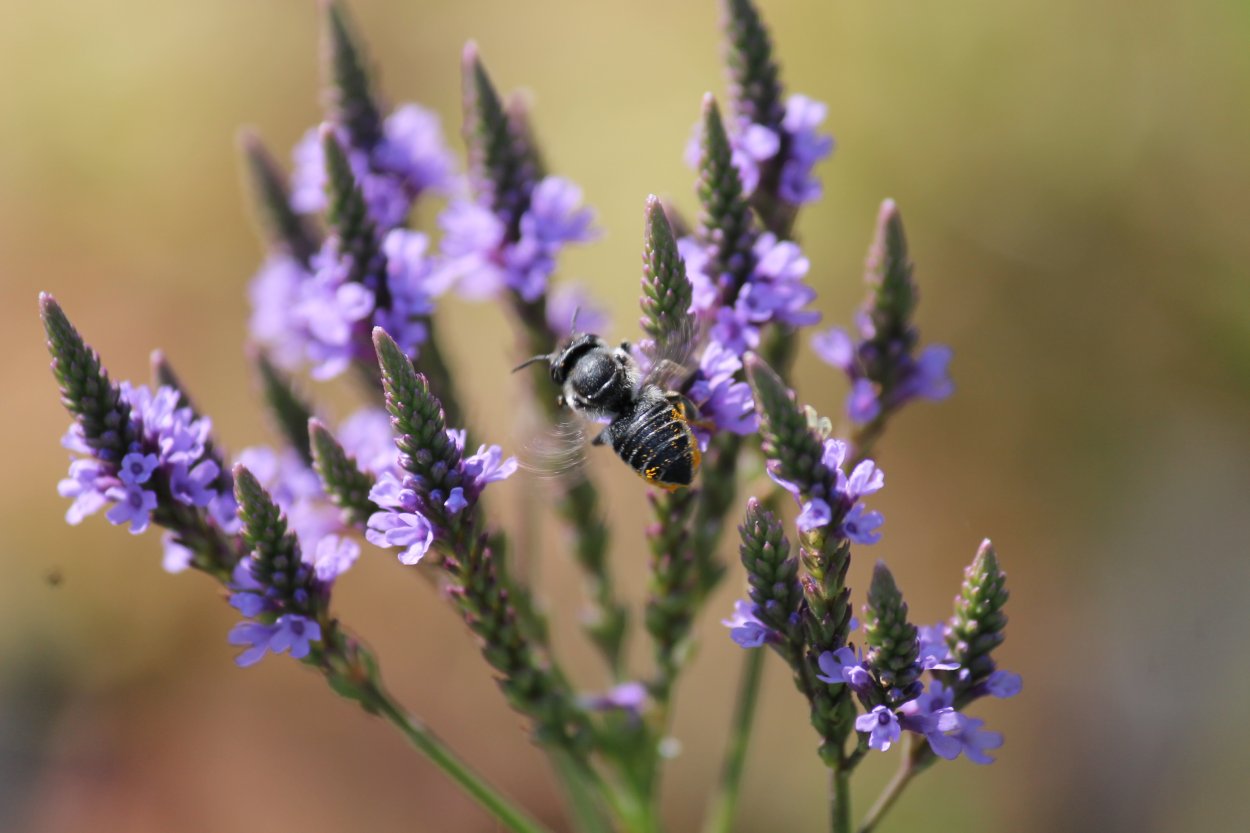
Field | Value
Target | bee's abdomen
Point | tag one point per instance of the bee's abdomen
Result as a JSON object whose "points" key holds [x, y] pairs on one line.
{"points": [[656, 442]]}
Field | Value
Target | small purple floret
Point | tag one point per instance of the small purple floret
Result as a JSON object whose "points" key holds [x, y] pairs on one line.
{"points": [[745, 628]]}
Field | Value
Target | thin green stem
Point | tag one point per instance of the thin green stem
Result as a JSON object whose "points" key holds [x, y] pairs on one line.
{"points": [[725, 801], [581, 790], [840, 800], [504, 811], [912, 763]]}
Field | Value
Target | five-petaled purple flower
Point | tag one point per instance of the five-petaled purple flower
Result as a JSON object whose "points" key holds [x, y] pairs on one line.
{"points": [[745, 627], [290, 631], [399, 524], [881, 725]]}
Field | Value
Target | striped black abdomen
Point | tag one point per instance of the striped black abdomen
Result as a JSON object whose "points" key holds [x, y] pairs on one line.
{"points": [[657, 443]]}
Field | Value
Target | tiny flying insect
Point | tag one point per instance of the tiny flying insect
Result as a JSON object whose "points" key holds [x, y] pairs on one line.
{"points": [[648, 423]]}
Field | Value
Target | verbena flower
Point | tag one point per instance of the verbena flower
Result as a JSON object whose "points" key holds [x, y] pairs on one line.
{"points": [[167, 455], [745, 627], [847, 666], [405, 523], [280, 588], [297, 491], [627, 697], [366, 436], [858, 523], [482, 257], [720, 395], [410, 158], [794, 148], [934, 653], [882, 727], [881, 360]]}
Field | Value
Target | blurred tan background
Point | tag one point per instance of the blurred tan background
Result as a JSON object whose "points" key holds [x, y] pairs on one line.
{"points": [[1074, 179]]}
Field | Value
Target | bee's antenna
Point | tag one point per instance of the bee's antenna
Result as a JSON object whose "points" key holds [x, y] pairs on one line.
{"points": [[573, 325], [528, 362]]}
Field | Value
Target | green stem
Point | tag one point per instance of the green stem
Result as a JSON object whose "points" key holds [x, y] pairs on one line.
{"points": [[840, 800], [505, 812], [725, 802], [912, 763], [586, 811]]}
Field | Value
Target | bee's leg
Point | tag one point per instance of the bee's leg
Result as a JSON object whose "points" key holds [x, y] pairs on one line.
{"points": [[689, 410], [679, 400], [602, 438]]}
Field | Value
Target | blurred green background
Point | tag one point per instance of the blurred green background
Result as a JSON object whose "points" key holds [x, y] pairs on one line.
{"points": [[1074, 179]]}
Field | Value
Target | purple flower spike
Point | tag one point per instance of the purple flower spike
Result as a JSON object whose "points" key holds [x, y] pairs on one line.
{"points": [[412, 148], [881, 726], [745, 628]]}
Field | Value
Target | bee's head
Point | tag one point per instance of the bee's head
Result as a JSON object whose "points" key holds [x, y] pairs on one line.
{"points": [[566, 357], [595, 377]]}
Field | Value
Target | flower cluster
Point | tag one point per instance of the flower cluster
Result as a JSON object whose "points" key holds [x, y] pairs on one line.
{"points": [[401, 521], [880, 361], [434, 483], [782, 155], [167, 458], [721, 306], [931, 713], [322, 312], [281, 592], [484, 257], [838, 497], [409, 159]]}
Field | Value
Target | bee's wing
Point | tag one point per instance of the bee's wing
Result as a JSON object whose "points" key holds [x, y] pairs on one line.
{"points": [[557, 450], [674, 360]]}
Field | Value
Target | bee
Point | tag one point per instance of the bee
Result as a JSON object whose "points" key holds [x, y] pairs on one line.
{"points": [[648, 424]]}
